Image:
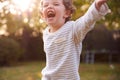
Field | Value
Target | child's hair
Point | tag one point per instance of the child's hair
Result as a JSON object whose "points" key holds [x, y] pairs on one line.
{"points": [[68, 5]]}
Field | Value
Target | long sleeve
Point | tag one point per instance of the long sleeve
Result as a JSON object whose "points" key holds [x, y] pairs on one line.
{"points": [[85, 23]]}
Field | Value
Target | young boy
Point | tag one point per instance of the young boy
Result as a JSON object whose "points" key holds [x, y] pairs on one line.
{"points": [[63, 38]]}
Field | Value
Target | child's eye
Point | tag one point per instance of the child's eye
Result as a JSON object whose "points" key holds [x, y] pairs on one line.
{"points": [[56, 4], [45, 5]]}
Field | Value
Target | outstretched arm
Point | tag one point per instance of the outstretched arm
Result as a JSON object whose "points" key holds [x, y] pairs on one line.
{"points": [[85, 23], [98, 3]]}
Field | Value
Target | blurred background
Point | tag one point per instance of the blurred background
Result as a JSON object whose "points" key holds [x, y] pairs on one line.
{"points": [[21, 46]]}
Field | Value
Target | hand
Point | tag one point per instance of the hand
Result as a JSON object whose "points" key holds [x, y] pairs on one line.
{"points": [[98, 3]]}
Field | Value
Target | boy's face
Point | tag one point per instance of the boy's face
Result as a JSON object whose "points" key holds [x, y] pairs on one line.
{"points": [[54, 12]]}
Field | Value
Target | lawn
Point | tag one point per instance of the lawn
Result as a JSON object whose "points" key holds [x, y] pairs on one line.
{"points": [[31, 71]]}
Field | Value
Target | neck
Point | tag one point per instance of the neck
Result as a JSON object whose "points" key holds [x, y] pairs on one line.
{"points": [[54, 28]]}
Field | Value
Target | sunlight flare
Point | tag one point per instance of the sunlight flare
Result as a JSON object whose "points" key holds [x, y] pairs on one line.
{"points": [[23, 5]]}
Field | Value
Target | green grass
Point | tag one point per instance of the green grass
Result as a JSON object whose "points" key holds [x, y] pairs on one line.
{"points": [[31, 71], [100, 72]]}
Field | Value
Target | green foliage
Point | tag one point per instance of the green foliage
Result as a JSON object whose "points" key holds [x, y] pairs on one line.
{"points": [[113, 19], [15, 21], [10, 51]]}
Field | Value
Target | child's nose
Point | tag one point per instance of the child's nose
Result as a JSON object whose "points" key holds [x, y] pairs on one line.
{"points": [[50, 6]]}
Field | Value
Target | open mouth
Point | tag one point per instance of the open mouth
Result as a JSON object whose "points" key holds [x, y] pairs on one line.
{"points": [[50, 14]]}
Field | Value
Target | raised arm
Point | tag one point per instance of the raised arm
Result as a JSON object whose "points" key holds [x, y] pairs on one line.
{"points": [[85, 23]]}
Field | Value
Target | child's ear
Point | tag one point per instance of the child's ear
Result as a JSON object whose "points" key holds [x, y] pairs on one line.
{"points": [[67, 13]]}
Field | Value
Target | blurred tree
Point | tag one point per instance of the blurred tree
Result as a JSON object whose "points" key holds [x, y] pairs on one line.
{"points": [[113, 19], [13, 16], [10, 51]]}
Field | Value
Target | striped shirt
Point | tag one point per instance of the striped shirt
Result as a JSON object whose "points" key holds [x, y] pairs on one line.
{"points": [[63, 47]]}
